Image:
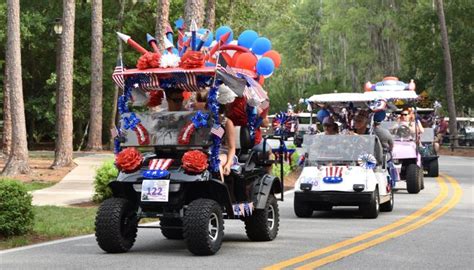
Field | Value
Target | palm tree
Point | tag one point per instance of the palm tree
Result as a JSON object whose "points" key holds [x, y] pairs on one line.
{"points": [[63, 150], [95, 132], [18, 158], [194, 9], [162, 15], [448, 73], [210, 19]]}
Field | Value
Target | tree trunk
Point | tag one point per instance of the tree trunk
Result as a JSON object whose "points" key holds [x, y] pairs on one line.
{"points": [[18, 158], [449, 73], [63, 150], [194, 9], [162, 20], [210, 19], [94, 141], [7, 117], [113, 118]]}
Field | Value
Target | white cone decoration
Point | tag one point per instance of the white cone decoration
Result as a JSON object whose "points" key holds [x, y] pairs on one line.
{"points": [[167, 43], [169, 60], [225, 95]]}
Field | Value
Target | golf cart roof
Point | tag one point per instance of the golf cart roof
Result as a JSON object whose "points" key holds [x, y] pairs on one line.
{"points": [[362, 97]]}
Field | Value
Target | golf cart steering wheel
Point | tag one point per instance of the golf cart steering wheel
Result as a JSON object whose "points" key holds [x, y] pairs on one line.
{"points": [[403, 131]]}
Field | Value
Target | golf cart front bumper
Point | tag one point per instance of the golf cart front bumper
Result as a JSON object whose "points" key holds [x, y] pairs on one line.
{"points": [[334, 197]]}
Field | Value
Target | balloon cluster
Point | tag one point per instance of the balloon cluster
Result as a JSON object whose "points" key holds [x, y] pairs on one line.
{"points": [[249, 51]]}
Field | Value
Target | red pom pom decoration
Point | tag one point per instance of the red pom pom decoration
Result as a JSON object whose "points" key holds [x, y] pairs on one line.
{"points": [[129, 160], [148, 60], [155, 98], [192, 59], [194, 161]]}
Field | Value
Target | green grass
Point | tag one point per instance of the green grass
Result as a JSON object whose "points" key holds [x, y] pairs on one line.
{"points": [[52, 222], [35, 185]]}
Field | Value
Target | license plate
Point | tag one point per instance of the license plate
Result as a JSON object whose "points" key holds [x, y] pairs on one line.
{"points": [[155, 190]]}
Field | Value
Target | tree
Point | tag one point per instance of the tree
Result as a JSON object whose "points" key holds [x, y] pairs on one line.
{"points": [[162, 20], [194, 9], [7, 118], [210, 18], [95, 128], [18, 158], [63, 150], [449, 73]]}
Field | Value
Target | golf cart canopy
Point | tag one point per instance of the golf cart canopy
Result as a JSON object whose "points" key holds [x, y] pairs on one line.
{"points": [[360, 98]]}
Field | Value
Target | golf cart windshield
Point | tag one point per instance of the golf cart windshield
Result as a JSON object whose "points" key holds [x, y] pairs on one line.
{"points": [[164, 128], [427, 135], [400, 130], [338, 148]]}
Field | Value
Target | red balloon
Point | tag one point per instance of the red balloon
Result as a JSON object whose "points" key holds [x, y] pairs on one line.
{"points": [[235, 57], [275, 56], [246, 61], [261, 80]]}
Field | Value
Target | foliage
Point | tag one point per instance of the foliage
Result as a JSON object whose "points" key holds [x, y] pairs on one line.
{"points": [[325, 46], [104, 174], [52, 222], [287, 169], [16, 212]]}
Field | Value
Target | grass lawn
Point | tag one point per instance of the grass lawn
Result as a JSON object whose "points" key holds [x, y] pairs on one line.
{"points": [[35, 185], [52, 222]]}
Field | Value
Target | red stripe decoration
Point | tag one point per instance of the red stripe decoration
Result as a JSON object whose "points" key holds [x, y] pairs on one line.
{"points": [[190, 83], [166, 164], [117, 76], [160, 164]]}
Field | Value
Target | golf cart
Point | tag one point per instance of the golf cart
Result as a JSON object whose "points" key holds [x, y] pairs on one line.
{"points": [[178, 179], [343, 169]]}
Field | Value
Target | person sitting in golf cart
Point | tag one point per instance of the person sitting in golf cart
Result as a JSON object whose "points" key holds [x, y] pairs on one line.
{"points": [[329, 126], [361, 119], [174, 98], [407, 118]]}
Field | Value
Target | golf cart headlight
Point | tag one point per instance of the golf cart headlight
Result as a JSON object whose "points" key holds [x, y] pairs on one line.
{"points": [[137, 187], [174, 187]]}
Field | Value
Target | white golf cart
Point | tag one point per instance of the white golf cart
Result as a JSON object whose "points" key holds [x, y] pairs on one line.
{"points": [[343, 169]]}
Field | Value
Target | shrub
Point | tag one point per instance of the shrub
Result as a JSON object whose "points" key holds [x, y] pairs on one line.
{"points": [[287, 169], [16, 211], [104, 175]]}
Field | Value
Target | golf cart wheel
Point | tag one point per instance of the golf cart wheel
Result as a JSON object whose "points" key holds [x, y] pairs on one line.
{"points": [[263, 224], [388, 206], [175, 234], [203, 228], [413, 178], [116, 225], [371, 210], [302, 209], [433, 168]]}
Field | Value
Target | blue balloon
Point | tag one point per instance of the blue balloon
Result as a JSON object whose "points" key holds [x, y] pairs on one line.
{"points": [[247, 38], [265, 66], [322, 114], [379, 116], [210, 38], [261, 45], [222, 31]]}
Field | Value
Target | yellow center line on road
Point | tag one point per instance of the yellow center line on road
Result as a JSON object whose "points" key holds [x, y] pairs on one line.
{"points": [[404, 230], [441, 196]]}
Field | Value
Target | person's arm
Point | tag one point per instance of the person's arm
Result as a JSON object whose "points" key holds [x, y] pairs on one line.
{"points": [[230, 137]]}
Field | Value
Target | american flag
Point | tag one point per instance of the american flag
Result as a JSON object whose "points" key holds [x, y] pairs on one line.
{"points": [[218, 131], [227, 75], [187, 81], [256, 89], [160, 164]]}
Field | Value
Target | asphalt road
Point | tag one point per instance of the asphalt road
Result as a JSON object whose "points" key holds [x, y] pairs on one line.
{"points": [[430, 230]]}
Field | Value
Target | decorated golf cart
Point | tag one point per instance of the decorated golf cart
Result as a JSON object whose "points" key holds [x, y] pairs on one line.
{"points": [[405, 129], [344, 168], [168, 158]]}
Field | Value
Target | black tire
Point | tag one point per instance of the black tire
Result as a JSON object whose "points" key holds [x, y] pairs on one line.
{"points": [[433, 168], [175, 234], [413, 178], [263, 224], [116, 225], [203, 227], [302, 209], [371, 210], [388, 206]]}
